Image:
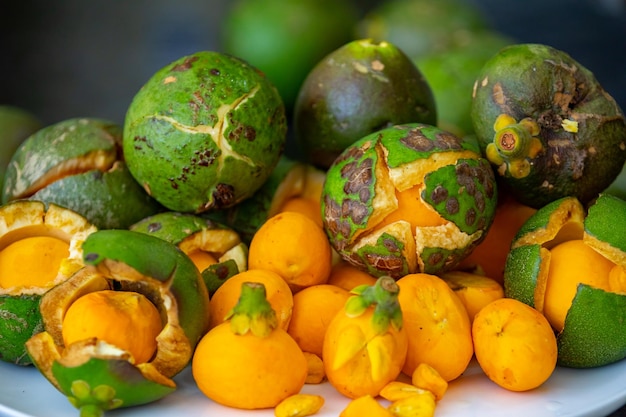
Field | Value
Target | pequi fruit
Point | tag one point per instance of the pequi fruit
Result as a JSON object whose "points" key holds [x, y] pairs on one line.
{"points": [[39, 248], [285, 39], [410, 198], [547, 125], [357, 89], [422, 27], [204, 132], [96, 375], [569, 263], [215, 249], [290, 179], [16, 124], [76, 164]]}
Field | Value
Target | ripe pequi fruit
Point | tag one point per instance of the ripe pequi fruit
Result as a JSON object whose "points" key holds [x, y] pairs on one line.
{"points": [[357, 89], [39, 248], [547, 125], [95, 374], [290, 180], [215, 249], [76, 164], [568, 262], [285, 39], [204, 132], [410, 198], [16, 124]]}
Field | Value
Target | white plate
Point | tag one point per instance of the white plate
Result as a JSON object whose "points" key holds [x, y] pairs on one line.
{"points": [[569, 392]]}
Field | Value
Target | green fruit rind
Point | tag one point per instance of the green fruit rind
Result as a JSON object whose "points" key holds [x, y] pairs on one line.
{"points": [[56, 146], [110, 199], [521, 272], [161, 260], [20, 319], [601, 345], [579, 130], [100, 385], [204, 132], [602, 216]]}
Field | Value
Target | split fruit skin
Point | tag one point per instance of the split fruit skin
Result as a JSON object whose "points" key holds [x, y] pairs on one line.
{"points": [[357, 89], [204, 132], [547, 125], [95, 376], [20, 223], [76, 163], [458, 191], [593, 331]]}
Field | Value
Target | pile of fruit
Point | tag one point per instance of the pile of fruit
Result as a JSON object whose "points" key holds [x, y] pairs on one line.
{"points": [[429, 222]]}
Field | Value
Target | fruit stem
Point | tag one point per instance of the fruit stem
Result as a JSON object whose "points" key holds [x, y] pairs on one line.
{"points": [[384, 296], [252, 312]]}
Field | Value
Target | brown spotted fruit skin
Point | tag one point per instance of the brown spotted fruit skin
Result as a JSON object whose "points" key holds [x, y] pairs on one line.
{"points": [[581, 127], [360, 188], [204, 132]]}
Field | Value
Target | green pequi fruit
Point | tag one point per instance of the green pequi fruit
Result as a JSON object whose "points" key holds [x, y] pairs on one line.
{"points": [[409, 198], [285, 39], [216, 250], [569, 262], [547, 125], [357, 89], [39, 248], [290, 179], [97, 376], [422, 27], [76, 164], [16, 124], [204, 132]]}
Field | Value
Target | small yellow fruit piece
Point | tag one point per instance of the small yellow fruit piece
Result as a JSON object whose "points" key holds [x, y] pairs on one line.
{"points": [[426, 377], [33, 261], [418, 405], [316, 368], [201, 259], [125, 319], [397, 390], [365, 406], [299, 405]]}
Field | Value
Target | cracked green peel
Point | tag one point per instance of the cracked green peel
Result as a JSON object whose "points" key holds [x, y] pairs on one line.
{"points": [[204, 132]]}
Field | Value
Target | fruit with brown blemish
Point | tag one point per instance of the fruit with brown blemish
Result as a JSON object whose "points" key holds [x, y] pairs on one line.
{"points": [[204, 132], [547, 125], [568, 261], [357, 89], [76, 163], [40, 247], [409, 198], [215, 249], [99, 373]]}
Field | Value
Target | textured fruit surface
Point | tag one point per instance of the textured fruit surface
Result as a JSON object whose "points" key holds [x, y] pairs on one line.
{"points": [[204, 132]]}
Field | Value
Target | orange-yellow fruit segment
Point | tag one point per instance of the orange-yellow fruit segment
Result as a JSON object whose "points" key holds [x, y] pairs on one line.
{"points": [[422, 404], [572, 262], [307, 206], [348, 276], [427, 378], [412, 209], [617, 279], [475, 291], [514, 344], [32, 262], [201, 259], [365, 406], [293, 246], [316, 372], [125, 319], [299, 405]]}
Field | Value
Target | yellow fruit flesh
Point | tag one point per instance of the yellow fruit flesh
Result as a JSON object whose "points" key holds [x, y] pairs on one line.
{"points": [[201, 259], [125, 319], [412, 208], [571, 263], [32, 262]]}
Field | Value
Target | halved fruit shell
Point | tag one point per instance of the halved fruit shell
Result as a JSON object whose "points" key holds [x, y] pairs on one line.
{"points": [[123, 260], [593, 332], [24, 277]]}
